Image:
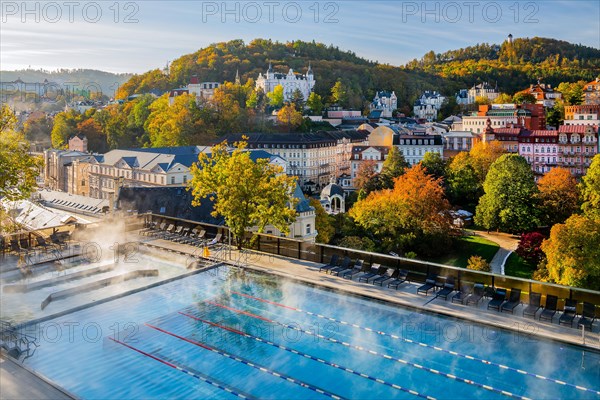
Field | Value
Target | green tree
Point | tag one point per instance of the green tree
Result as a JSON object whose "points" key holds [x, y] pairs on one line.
{"points": [[315, 104], [298, 100], [434, 164], [18, 169], [573, 251], [463, 183], [556, 115], [508, 203], [276, 97], [572, 93], [590, 188], [393, 166], [358, 243], [65, 126], [246, 193], [339, 93], [524, 98], [323, 222]]}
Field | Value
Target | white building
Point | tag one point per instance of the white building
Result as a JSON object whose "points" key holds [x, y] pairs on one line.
{"points": [[385, 102], [315, 158], [457, 141], [414, 147], [428, 105], [483, 90], [202, 90], [290, 82]]}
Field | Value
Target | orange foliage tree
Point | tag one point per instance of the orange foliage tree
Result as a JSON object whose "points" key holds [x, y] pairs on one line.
{"points": [[413, 215], [558, 195]]}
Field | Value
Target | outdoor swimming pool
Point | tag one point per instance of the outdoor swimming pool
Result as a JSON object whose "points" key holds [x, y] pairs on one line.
{"points": [[227, 333]]}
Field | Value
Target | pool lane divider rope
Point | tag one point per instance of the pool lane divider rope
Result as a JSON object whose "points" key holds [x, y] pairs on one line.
{"points": [[250, 364], [197, 375], [311, 357], [375, 353], [436, 348]]}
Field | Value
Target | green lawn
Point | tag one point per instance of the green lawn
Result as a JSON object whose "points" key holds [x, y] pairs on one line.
{"points": [[468, 246], [517, 266]]}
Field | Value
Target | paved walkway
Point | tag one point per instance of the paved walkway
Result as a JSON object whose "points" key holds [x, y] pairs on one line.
{"points": [[507, 242]]}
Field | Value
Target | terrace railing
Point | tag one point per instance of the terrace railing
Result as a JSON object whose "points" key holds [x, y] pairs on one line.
{"points": [[418, 269]]}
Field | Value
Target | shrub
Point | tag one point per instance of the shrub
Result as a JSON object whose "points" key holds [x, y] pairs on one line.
{"points": [[478, 263]]}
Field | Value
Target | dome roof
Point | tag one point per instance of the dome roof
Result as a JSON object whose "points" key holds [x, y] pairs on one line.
{"points": [[331, 190]]}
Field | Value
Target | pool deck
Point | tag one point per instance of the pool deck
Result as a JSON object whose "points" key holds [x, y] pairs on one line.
{"points": [[406, 295], [18, 383]]}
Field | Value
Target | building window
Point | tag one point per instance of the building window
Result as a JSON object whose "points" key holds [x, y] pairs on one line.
{"points": [[185, 179], [308, 229]]}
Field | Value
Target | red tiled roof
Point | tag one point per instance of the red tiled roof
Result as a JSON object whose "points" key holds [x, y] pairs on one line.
{"points": [[576, 128]]}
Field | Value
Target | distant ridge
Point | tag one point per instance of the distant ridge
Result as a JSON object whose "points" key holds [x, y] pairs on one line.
{"points": [[107, 81]]}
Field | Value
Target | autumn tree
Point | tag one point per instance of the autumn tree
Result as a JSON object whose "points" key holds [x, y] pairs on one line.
{"points": [[508, 203], [323, 222], [393, 166], [413, 215], [93, 132], [503, 98], [530, 247], [276, 97], [18, 169], [289, 118], [483, 155], [482, 100], [315, 104], [38, 129], [173, 124], [365, 176], [434, 164], [590, 188], [245, 193], [478, 263], [558, 196], [573, 251]]}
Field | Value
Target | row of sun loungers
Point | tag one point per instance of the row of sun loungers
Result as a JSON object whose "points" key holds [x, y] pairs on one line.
{"points": [[25, 244], [375, 274], [499, 302], [501, 299], [180, 234]]}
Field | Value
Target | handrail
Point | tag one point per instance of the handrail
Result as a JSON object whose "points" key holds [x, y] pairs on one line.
{"points": [[297, 248]]}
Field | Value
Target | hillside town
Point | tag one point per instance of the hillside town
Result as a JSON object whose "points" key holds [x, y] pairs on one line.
{"points": [[186, 200]]}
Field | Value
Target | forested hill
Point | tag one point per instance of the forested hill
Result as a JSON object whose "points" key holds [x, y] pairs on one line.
{"points": [[74, 78], [514, 66]]}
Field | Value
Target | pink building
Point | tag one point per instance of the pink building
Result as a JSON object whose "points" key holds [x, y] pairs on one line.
{"points": [[577, 145], [540, 149]]}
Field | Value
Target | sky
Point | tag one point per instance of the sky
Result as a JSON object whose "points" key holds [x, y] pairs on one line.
{"points": [[136, 36]]}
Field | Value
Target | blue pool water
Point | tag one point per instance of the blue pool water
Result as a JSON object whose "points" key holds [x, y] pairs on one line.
{"points": [[228, 333]]}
